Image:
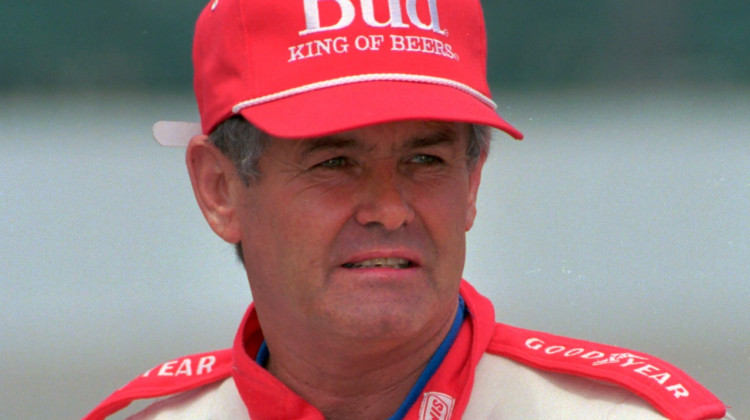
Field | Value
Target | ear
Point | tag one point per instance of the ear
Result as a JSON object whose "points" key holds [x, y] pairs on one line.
{"points": [[214, 179], [475, 176]]}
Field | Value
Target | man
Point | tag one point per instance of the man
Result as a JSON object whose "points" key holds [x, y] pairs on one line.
{"points": [[340, 149]]}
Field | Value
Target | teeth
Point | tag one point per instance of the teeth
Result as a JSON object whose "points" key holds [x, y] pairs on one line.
{"points": [[381, 262]]}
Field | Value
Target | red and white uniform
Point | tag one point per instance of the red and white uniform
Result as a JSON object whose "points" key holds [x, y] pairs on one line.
{"points": [[492, 371]]}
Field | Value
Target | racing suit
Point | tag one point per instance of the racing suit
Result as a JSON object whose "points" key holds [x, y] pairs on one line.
{"points": [[489, 371]]}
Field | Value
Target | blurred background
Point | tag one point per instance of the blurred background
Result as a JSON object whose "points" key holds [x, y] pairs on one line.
{"points": [[622, 218]]}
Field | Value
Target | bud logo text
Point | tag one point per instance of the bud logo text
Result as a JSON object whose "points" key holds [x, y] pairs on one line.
{"points": [[375, 42], [349, 13]]}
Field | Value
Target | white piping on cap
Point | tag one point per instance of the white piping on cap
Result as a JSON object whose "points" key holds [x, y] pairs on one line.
{"points": [[375, 77], [173, 133]]}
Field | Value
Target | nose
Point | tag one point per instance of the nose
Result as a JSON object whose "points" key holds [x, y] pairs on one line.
{"points": [[382, 199]]}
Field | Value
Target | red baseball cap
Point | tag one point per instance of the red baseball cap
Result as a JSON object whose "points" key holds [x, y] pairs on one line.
{"points": [[309, 68]]}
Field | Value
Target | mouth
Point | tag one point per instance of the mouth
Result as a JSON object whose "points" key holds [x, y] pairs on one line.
{"points": [[395, 263]]}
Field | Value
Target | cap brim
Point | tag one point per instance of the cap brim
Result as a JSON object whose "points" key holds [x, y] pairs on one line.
{"points": [[347, 107], [175, 133]]}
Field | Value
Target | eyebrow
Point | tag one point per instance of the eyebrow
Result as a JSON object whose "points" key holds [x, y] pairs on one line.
{"points": [[327, 143], [445, 135]]}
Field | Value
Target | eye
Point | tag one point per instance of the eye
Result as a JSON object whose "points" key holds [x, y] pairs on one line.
{"points": [[425, 159], [337, 162]]}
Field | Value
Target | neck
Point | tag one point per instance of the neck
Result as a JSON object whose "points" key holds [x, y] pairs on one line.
{"points": [[349, 378]]}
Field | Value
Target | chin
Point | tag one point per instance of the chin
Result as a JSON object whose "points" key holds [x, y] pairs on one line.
{"points": [[374, 319]]}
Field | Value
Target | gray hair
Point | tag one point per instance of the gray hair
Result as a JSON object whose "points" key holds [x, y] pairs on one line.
{"points": [[243, 143]]}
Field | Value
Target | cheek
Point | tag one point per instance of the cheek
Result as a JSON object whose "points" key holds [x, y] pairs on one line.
{"points": [[294, 231], [446, 205], [444, 212]]}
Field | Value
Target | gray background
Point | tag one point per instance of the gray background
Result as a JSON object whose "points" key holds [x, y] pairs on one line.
{"points": [[622, 218]]}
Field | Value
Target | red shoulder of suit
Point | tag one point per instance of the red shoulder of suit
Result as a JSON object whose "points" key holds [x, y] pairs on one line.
{"points": [[667, 388], [178, 375]]}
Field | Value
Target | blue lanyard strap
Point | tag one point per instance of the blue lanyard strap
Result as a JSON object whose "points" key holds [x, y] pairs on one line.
{"points": [[262, 357], [429, 370], [433, 364]]}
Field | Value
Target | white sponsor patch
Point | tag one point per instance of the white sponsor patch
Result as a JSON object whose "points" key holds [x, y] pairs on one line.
{"points": [[436, 406]]}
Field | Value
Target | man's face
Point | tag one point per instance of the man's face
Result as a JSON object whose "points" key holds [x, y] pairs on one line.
{"points": [[360, 233]]}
